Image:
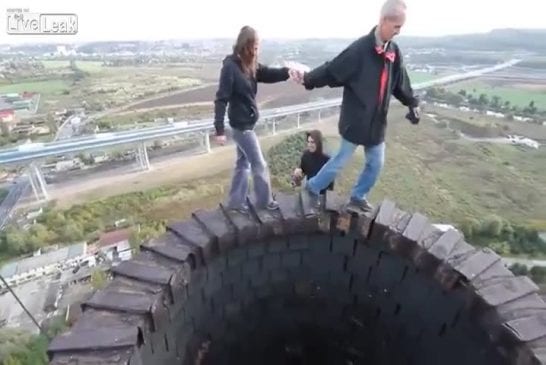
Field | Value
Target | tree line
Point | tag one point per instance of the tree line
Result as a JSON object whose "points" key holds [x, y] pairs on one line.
{"points": [[482, 102]]}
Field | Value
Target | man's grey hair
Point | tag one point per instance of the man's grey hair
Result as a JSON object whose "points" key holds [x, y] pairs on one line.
{"points": [[393, 8]]}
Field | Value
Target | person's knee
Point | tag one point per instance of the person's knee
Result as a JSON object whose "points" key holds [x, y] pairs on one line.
{"points": [[375, 164], [259, 167]]}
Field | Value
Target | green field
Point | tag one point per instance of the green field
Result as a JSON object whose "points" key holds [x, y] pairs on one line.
{"points": [[87, 66], [417, 77], [49, 87], [516, 95]]}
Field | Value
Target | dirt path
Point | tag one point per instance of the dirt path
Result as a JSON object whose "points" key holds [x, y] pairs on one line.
{"points": [[166, 172]]}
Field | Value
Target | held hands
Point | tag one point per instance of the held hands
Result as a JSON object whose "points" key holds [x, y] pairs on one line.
{"points": [[296, 76], [297, 71]]}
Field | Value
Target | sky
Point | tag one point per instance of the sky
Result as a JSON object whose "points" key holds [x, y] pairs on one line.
{"points": [[168, 19]]}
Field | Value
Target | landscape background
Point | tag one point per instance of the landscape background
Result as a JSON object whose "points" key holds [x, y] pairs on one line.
{"points": [[456, 166]]}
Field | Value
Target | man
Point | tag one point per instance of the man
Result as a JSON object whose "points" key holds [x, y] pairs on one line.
{"points": [[370, 70]]}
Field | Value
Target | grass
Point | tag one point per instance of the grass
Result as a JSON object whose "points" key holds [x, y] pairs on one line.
{"points": [[87, 66], [428, 169], [417, 77], [516, 95], [47, 87]]}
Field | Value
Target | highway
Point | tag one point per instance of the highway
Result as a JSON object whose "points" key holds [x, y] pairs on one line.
{"points": [[22, 184]]}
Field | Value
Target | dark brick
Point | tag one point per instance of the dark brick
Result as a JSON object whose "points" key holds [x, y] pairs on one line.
{"points": [[259, 279], [214, 222], [246, 227], [256, 250], [343, 245], [320, 243], [277, 245], [291, 212], [96, 339], [232, 275], [271, 261], [472, 266], [143, 271], [298, 242], [236, 257], [292, 259], [507, 289], [169, 245], [445, 244], [252, 267], [192, 234], [333, 202], [270, 221]]}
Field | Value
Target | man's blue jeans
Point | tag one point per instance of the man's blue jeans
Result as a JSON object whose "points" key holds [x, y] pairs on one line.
{"points": [[375, 158]]}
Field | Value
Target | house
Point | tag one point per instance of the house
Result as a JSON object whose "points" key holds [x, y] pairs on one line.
{"points": [[7, 115], [114, 244], [40, 264]]}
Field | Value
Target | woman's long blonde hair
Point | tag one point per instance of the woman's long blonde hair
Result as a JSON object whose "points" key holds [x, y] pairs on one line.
{"points": [[245, 49]]}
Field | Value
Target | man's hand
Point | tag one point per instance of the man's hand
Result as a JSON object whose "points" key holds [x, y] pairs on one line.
{"points": [[221, 140], [296, 75], [298, 173], [414, 115]]}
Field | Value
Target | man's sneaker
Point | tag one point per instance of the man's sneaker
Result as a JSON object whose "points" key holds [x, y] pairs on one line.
{"points": [[359, 205], [243, 209], [273, 205]]}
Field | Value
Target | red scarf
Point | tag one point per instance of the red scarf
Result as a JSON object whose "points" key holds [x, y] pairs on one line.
{"points": [[389, 56]]}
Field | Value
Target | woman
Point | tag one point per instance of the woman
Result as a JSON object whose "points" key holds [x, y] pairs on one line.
{"points": [[239, 76], [312, 160]]}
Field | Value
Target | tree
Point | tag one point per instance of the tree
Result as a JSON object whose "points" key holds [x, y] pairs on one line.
{"points": [[495, 102], [483, 100], [98, 279], [462, 92], [519, 269], [492, 227], [470, 227], [11, 360]]}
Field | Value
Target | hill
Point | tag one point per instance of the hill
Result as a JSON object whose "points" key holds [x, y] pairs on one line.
{"points": [[528, 40]]}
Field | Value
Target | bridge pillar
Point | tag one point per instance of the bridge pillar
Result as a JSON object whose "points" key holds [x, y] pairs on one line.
{"points": [[273, 127], [142, 157], [298, 121], [319, 116], [38, 184], [206, 139]]}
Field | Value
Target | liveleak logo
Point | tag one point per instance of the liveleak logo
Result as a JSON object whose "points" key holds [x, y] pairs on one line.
{"points": [[21, 21]]}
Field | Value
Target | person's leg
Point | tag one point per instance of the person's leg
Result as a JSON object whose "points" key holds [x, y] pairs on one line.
{"points": [[260, 171], [239, 183], [375, 158], [328, 172]]}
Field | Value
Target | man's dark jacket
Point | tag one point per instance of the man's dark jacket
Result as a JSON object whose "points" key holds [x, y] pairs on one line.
{"points": [[358, 69], [239, 90]]}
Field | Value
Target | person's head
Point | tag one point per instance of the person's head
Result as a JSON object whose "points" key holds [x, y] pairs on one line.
{"points": [[392, 19], [246, 48], [314, 141]]}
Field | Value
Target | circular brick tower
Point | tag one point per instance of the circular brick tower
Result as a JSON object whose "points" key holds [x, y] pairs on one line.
{"points": [[301, 286]]}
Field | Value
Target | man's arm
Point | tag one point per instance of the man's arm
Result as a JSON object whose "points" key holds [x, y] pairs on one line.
{"points": [[402, 85], [270, 75], [223, 94], [336, 72]]}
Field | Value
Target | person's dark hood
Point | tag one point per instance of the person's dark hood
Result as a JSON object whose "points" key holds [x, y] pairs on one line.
{"points": [[317, 137]]}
